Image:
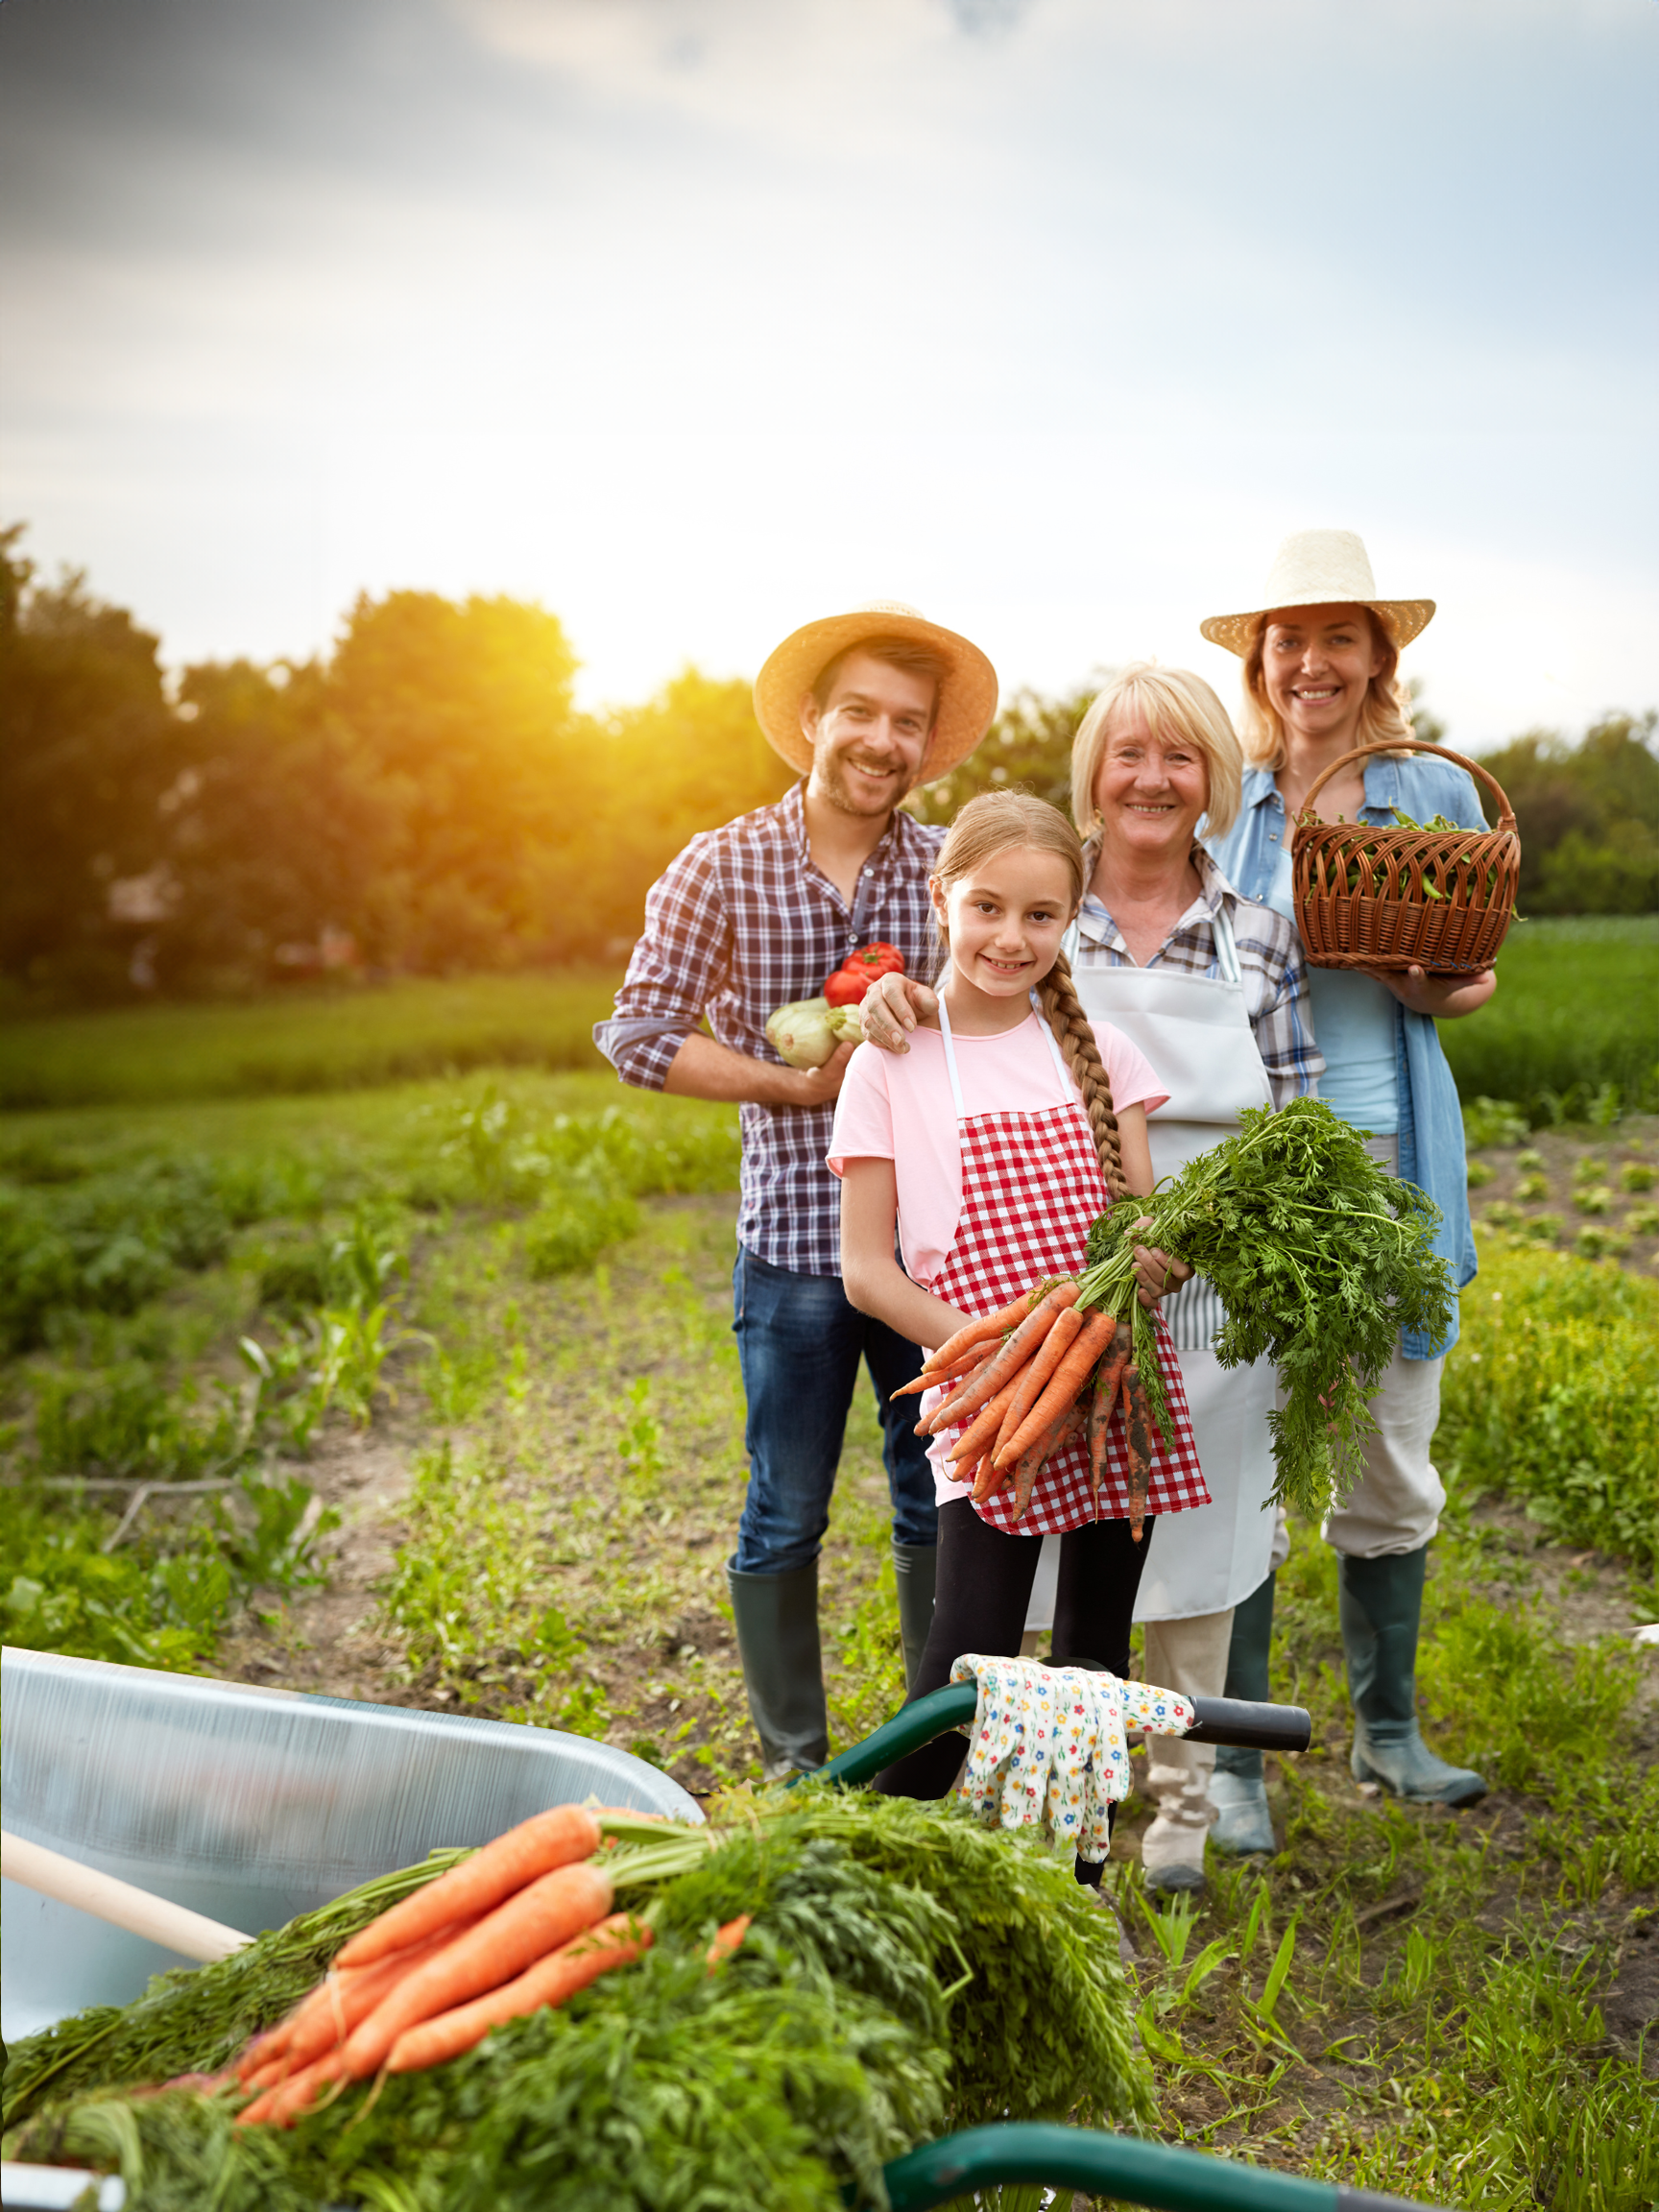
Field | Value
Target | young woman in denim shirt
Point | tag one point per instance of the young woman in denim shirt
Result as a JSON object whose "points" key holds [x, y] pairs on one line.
{"points": [[1320, 654]]}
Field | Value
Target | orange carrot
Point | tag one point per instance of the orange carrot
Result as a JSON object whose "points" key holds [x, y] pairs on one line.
{"points": [[281, 2106], [535, 1847], [552, 1981], [346, 1998], [1026, 1470], [943, 1415], [1066, 1378], [268, 2057], [954, 1370], [727, 1939], [985, 1381], [1138, 1443], [981, 1431], [989, 1481], [1103, 1403], [977, 1331], [1037, 1371], [964, 1473], [544, 1914]]}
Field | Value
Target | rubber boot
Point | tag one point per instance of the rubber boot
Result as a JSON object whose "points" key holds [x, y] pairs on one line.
{"points": [[1238, 1788], [1382, 1606], [777, 1620], [914, 1567]]}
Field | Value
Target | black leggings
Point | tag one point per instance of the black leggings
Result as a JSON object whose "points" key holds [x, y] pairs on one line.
{"points": [[984, 1593]]}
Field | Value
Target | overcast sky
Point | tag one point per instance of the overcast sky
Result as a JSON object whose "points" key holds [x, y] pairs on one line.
{"points": [[696, 318]]}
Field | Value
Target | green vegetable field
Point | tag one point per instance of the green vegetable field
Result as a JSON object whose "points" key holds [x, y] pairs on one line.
{"points": [[380, 1346]]}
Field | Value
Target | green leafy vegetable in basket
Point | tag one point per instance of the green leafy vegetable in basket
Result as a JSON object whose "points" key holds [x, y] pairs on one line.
{"points": [[1320, 1260], [1439, 874]]}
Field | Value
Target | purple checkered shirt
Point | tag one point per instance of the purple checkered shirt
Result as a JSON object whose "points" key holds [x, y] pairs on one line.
{"points": [[739, 924]]}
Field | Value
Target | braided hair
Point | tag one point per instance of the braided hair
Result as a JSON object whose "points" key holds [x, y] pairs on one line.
{"points": [[989, 824]]}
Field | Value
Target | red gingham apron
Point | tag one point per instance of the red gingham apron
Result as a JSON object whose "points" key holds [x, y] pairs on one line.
{"points": [[1032, 1185]]}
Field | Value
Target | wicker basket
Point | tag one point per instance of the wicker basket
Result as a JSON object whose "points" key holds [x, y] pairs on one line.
{"points": [[1440, 900]]}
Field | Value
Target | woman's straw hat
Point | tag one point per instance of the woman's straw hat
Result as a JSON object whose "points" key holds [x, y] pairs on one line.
{"points": [[1322, 568], [967, 695]]}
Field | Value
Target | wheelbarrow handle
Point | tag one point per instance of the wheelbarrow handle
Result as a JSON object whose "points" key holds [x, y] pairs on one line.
{"points": [[1220, 1720], [1158, 2175]]}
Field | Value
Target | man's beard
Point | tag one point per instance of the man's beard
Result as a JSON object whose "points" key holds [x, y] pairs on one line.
{"points": [[832, 782]]}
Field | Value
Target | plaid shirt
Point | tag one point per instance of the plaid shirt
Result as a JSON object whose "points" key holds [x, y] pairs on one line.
{"points": [[739, 924], [1270, 967]]}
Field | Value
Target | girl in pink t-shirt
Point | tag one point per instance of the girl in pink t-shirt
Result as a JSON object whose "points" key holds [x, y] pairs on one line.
{"points": [[989, 1148]]}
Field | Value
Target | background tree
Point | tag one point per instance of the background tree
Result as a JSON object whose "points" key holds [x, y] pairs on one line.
{"points": [[1588, 816], [1027, 748], [88, 751]]}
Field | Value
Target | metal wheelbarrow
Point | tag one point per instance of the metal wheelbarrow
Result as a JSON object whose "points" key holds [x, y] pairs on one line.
{"points": [[253, 1805], [247, 1805]]}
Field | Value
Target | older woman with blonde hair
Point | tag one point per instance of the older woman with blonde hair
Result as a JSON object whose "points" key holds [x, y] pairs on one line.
{"points": [[1321, 654], [1211, 987]]}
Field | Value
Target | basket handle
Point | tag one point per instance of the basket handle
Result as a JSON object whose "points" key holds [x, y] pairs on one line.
{"points": [[1507, 816]]}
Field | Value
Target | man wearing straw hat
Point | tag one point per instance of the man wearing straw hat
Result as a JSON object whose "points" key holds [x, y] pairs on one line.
{"points": [[867, 705], [1320, 653]]}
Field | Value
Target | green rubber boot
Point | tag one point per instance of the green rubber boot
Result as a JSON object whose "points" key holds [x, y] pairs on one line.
{"points": [[914, 1569], [1381, 1608], [1238, 1788], [777, 1620]]}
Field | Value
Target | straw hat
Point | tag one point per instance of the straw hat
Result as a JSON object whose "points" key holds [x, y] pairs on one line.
{"points": [[967, 695], [1322, 568]]}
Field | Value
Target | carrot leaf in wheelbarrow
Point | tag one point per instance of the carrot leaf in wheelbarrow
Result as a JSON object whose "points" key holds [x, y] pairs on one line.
{"points": [[1320, 1259]]}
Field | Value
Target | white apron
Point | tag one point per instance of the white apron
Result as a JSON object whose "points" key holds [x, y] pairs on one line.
{"points": [[1196, 1035]]}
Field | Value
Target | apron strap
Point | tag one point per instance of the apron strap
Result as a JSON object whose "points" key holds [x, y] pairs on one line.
{"points": [[950, 1059], [1226, 950]]}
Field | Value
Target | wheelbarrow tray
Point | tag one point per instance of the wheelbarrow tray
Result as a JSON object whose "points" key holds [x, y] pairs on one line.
{"points": [[248, 1805]]}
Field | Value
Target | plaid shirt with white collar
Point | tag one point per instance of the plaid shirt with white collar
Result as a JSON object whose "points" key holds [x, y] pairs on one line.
{"points": [[739, 924], [1270, 967]]}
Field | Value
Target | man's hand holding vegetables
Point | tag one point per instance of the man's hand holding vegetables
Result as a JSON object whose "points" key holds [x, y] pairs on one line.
{"points": [[749, 922]]}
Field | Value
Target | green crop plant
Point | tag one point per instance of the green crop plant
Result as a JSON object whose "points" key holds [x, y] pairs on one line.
{"points": [[1551, 1395]]}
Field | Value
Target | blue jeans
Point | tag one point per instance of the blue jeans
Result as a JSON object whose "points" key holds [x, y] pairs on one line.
{"points": [[799, 1343]]}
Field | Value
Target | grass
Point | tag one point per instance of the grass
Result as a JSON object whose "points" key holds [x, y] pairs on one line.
{"points": [[508, 1294], [306, 1041], [1575, 1019], [1551, 1396]]}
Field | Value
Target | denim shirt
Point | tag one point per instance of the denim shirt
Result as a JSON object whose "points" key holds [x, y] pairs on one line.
{"points": [[1431, 1132]]}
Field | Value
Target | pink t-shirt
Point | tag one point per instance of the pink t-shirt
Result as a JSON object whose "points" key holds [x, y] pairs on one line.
{"points": [[897, 1106]]}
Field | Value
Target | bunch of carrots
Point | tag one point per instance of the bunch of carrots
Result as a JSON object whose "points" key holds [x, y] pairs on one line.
{"points": [[523, 1923], [1026, 1380]]}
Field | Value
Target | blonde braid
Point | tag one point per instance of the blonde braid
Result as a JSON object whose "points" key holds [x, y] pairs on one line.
{"points": [[1063, 1010]]}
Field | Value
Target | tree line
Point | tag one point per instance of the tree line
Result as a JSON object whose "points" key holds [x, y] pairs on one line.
{"points": [[427, 797]]}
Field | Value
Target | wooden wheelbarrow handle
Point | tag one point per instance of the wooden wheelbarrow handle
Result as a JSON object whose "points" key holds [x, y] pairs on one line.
{"points": [[173, 1926]]}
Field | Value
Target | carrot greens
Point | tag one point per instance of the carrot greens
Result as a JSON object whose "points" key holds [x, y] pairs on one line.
{"points": [[1320, 1259]]}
